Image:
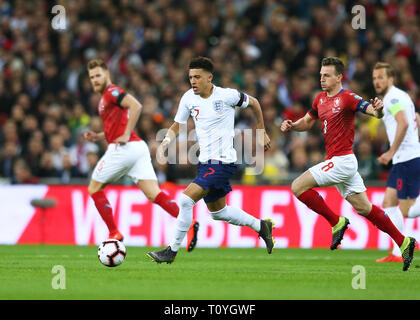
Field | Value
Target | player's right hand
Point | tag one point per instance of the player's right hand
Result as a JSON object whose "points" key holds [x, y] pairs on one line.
{"points": [[90, 136], [286, 125]]}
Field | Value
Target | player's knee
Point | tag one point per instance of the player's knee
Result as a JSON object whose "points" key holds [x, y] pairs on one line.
{"points": [[219, 215], [185, 203], [387, 203], [296, 188], [363, 209]]}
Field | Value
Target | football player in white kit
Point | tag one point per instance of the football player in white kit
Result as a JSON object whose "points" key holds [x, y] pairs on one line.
{"points": [[402, 189], [213, 111]]}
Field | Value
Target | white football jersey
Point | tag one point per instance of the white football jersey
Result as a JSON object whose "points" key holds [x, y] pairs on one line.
{"points": [[214, 119], [396, 100]]}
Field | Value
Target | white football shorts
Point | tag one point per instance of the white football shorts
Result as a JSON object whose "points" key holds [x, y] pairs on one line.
{"points": [[341, 172], [131, 159]]}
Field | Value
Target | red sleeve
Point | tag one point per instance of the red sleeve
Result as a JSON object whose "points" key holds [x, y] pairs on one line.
{"points": [[115, 95], [352, 100], [313, 112]]}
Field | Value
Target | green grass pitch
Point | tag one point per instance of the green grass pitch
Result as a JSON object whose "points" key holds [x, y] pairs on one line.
{"points": [[205, 274]]}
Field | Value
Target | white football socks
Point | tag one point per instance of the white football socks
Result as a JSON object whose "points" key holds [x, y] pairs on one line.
{"points": [[237, 217], [395, 214], [183, 221], [414, 210]]}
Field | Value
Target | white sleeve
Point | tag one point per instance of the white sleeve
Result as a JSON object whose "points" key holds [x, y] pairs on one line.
{"points": [[183, 112], [236, 98]]}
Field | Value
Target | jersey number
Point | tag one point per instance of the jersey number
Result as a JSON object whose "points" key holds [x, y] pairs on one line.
{"points": [[325, 126], [196, 115], [328, 166]]}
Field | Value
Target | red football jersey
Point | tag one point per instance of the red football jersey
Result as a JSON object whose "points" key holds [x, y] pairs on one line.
{"points": [[114, 117], [337, 120]]}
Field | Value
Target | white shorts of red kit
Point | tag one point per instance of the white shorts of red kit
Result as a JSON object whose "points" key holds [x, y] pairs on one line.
{"points": [[341, 172], [131, 159]]}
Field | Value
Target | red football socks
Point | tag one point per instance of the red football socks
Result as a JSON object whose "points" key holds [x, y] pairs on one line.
{"points": [[163, 200], [105, 210], [378, 217], [314, 201]]}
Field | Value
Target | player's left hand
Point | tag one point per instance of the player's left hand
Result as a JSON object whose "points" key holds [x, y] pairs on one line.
{"points": [[122, 140], [377, 103], [385, 158]]}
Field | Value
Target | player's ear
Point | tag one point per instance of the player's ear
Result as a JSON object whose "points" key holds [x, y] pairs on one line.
{"points": [[210, 77]]}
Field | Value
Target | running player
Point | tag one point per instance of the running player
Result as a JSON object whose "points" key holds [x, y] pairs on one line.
{"points": [[336, 109], [126, 154], [400, 122], [213, 111]]}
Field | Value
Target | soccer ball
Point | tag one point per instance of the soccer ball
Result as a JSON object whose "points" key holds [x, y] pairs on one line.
{"points": [[111, 253]]}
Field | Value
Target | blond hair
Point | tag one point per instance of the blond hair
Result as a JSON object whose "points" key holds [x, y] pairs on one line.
{"points": [[390, 73]]}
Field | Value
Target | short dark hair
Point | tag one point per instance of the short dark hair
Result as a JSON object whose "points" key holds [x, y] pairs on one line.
{"points": [[98, 62], [202, 63], [390, 73], [336, 62]]}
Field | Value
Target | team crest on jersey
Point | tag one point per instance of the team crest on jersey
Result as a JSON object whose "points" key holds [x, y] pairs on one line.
{"points": [[115, 92], [336, 108], [218, 106]]}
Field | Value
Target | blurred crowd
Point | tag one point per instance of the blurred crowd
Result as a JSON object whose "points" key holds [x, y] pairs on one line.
{"points": [[268, 49]]}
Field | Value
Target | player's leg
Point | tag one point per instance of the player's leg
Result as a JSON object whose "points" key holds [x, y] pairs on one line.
{"points": [[153, 192], [109, 168], [335, 171], [302, 188], [391, 208], [96, 191], [409, 194], [187, 200], [406, 205], [377, 216], [413, 208], [143, 174], [236, 216]]}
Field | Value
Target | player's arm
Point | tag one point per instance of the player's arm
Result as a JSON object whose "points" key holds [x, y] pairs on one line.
{"points": [[375, 108], [303, 124], [256, 109], [134, 107], [402, 126], [92, 136], [171, 135]]}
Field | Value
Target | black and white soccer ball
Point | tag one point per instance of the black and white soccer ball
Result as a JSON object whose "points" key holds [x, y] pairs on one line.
{"points": [[111, 253]]}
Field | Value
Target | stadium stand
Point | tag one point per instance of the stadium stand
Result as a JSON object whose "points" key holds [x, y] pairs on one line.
{"points": [[269, 49]]}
